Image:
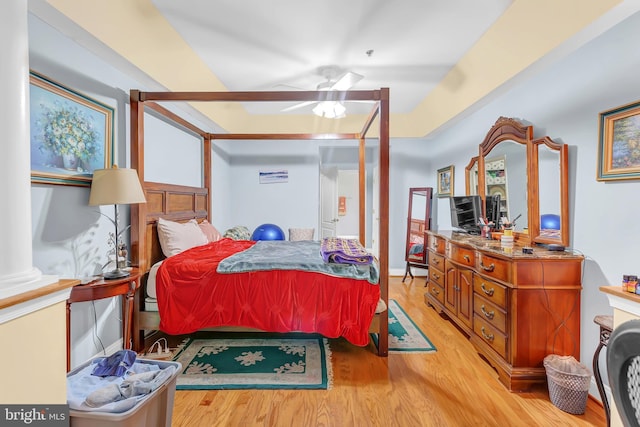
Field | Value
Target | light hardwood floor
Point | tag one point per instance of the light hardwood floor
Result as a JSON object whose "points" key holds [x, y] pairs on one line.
{"points": [[451, 387]]}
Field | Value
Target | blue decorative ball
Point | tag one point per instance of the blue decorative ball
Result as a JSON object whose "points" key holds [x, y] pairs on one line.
{"points": [[268, 232], [550, 222]]}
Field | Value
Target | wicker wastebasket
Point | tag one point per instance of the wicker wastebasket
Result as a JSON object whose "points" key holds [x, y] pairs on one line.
{"points": [[568, 382]]}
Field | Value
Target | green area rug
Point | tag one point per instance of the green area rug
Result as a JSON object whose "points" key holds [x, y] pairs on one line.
{"points": [[272, 362], [404, 335]]}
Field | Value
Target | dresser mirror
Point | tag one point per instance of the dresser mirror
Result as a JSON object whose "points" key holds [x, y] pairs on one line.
{"points": [[531, 177], [503, 167], [508, 142], [550, 159], [471, 177], [418, 222]]}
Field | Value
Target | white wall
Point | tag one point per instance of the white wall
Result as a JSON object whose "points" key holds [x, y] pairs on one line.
{"points": [[70, 237], [289, 204]]}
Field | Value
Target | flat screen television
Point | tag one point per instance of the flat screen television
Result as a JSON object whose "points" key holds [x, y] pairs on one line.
{"points": [[465, 212], [492, 209]]}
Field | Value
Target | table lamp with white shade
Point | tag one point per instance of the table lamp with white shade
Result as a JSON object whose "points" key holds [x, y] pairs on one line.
{"points": [[115, 187]]}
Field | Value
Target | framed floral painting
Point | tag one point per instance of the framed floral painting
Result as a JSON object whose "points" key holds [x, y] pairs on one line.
{"points": [[71, 134], [445, 182], [619, 148]]}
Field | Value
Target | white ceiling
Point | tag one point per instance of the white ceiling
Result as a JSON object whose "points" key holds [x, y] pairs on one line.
{"points": [[284, 44], [440, 58]]}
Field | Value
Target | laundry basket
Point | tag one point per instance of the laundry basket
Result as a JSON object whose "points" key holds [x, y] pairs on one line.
{"points": [[152, 410], [568, 382]]}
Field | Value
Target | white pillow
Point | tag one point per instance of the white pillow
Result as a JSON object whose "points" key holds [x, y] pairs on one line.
{"points": [[301, 234], [176, 237]]}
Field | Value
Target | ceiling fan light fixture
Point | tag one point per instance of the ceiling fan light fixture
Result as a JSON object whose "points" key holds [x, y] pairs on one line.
{"points": [[330, 109]]}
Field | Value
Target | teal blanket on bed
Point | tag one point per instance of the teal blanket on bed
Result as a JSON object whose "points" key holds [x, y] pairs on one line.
{"points": [[298, 255]]}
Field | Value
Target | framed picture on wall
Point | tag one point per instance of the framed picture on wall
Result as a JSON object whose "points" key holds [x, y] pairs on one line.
{"points": [[619, 144], [445, 182], [71, 134]]}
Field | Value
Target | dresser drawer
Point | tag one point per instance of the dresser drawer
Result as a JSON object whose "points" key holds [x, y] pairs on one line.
{"points": [[461, 255], [494, 267], [436, 291], [436, 260], [491, 313], [436, 243], [436, 276], [492, 336], [490, 290]]}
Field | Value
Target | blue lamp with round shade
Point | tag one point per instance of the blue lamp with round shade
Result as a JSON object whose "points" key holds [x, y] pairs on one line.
{"points": [[550, 222], [268, 232]]}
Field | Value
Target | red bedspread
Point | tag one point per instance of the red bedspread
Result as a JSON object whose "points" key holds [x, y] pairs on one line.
{"points": [[192, 296]]}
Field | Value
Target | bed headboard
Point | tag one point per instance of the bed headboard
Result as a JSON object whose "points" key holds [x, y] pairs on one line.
{"points": [[173, 202]]}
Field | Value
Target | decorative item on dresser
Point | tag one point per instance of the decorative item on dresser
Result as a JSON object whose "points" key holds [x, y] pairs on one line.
{"points": [[418, 222], [517, 304]]}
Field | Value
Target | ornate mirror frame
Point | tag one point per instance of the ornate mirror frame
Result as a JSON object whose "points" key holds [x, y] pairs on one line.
{"points": [[506, 129], [546, 236], [471, 177], [511, 129]]}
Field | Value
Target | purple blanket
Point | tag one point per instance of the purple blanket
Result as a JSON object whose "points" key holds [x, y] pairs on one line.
{"points": [[344, 251]]}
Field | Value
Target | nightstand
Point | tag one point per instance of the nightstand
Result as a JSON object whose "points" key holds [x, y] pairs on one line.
{"points": [[99, 289]]}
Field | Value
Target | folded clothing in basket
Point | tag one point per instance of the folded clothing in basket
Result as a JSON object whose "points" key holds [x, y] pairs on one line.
{"points": [[116, 364], [87, 392]]}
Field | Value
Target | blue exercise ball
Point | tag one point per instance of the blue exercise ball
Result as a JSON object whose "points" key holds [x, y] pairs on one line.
{"points": [[550, 222], [268, 232]]}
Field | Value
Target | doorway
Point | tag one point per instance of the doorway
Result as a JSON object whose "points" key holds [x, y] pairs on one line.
{"points": [[339, 198]]}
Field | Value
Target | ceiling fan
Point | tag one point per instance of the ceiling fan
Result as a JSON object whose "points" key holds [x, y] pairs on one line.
{"points": [[337, 81]]}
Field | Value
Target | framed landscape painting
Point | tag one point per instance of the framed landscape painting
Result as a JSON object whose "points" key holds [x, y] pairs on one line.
{"points": [[619, 145], [71, 134]]}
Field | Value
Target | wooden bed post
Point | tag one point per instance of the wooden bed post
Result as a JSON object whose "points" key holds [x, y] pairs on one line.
{"points": [[383, 337], [362, 178], [206, 175], [138, 211], [137, 163]]}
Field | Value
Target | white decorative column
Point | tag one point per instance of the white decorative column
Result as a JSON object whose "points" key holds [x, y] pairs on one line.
{"points": [[17, 274]]}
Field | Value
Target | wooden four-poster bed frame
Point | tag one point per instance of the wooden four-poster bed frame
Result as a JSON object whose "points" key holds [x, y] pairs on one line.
{"points": [[182, 203]]}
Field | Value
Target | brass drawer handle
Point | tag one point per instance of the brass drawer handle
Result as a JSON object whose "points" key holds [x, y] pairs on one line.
{"points": [[435, 291], [488, 314], [485, 268], [467, 258], [488, 337], [436, 276], [487, 291], [436, 261]]}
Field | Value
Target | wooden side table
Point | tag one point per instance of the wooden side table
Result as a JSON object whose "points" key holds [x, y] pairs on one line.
{"points": [[126, 287]]}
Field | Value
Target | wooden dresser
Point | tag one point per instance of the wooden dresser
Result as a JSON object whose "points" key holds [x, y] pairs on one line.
{"points": [[516, 308]]}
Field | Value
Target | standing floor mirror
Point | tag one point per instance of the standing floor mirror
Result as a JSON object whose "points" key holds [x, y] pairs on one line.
{"points": [[418, 222]]}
